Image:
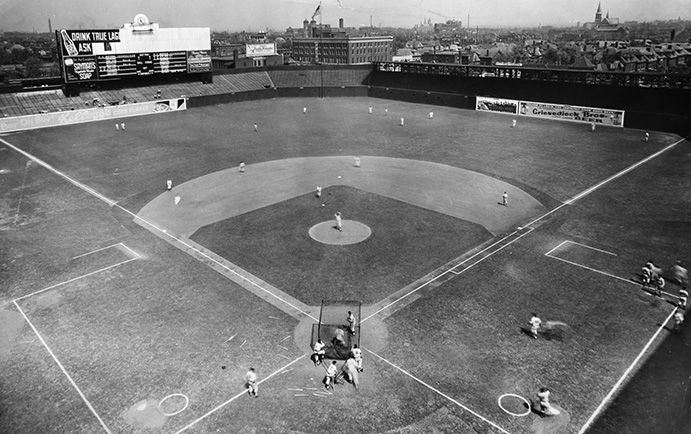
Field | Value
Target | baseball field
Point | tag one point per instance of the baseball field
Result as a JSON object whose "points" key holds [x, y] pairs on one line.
{"points": [[126, 307]]}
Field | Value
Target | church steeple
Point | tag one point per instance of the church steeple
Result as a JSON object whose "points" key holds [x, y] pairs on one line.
{"points": [[598, 14]]}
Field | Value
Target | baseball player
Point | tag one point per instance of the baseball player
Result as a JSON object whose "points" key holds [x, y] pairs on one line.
{"points": [[318, 352], [252, 386], [339, 221], [351, 322], [683, 298], [330, 378], [534, 325], [357, 356]]}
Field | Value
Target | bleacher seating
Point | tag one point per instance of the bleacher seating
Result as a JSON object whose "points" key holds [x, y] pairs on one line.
{"points": [[303, 77], [28, 103]]}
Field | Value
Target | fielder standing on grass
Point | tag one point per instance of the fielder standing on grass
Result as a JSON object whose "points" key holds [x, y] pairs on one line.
{"points": [[252, 387], [534, 325], [505, 199], [546, 408]]}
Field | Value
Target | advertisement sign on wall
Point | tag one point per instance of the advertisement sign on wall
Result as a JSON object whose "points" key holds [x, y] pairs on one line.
{"points": [[562, 112], [80, 68], [258, 50], [198, 61], [497, 105], [565, 112], [55, 119]]}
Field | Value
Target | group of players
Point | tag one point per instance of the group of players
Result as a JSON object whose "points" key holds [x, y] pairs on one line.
{"points": [[653, 280], [351, 367]]}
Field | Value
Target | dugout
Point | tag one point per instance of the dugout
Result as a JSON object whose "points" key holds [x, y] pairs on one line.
{"points": [[333, 323]]}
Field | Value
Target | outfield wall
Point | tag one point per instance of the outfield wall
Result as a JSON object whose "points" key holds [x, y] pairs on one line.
{"points": [[656, 109], [55, 119], [297, 92]]}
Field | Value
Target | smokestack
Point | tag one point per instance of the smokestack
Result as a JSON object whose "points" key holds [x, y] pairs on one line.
{"points": [[50, 26], [340, 23]]}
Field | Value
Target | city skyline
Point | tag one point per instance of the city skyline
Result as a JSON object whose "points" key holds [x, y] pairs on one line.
{"points": [[33, 15]]}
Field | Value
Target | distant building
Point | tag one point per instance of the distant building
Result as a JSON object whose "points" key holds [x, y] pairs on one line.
{"points": [[442, 57], [346, 50], [600, 24]]}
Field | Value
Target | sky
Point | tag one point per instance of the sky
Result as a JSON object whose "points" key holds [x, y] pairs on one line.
{"points": [[253, 15]]}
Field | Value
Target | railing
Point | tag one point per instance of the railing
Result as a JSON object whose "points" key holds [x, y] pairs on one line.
{"points": [[638, 79]]}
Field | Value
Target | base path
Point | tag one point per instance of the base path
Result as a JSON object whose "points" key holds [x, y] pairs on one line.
{"points": [[460, 193]]}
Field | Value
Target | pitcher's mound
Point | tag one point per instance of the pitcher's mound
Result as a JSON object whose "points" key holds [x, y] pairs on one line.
{"points": [[352, 232]]}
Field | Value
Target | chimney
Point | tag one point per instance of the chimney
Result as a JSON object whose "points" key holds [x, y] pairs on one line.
{"points": [[340, 23]]}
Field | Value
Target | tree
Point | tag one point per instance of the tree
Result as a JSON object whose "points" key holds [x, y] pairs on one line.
{"points": [[33, 67], [550, 56]]}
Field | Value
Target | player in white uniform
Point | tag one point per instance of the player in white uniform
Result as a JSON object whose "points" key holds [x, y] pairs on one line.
{"points": [[534, 325], [683, 298], [659, 285], [678, 320], [318, 352], [351, 322], [331, 373], [339, 221], [545, 407], [252, 387], [357, 356]]}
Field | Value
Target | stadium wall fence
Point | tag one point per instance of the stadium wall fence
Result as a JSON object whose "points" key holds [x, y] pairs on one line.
{"points": [[657, 109]]}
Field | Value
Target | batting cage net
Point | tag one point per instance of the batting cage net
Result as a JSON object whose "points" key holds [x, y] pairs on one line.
{"points": [[338, 328]]}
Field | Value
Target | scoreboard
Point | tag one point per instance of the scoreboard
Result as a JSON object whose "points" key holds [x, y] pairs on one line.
{"points": [[117, 65], [138, 49]]}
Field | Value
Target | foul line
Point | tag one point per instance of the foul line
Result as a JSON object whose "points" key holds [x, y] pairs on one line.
{"points": [[162, 231], [235, 397], [57, 172], [610, 179], [76, 278], [591, 248], [451, 270], [528, 225], [600, 272], [623, 377], [64, 371], [439, 392], [104, 248]]}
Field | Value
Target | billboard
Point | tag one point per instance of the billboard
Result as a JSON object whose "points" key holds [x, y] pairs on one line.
{"points": [[198, 61], [497, 105], [140, 48], [565, 112], [258, 50], [81, 42], [80, 68], [55, 119], [562, 112]]}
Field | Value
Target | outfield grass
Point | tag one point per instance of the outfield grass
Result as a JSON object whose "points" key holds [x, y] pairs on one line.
{"points": [[160, 323]]}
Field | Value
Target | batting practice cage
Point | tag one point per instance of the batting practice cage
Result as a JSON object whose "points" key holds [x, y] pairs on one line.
{"points": [[334, 329]]}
